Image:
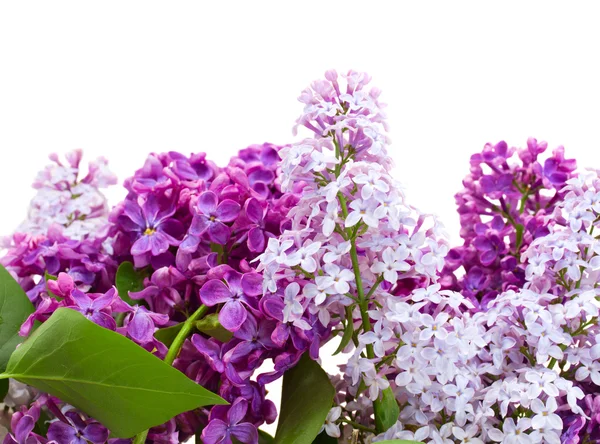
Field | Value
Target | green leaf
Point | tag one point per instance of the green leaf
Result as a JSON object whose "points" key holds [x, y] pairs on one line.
{"points": [[129, 279], [306, 399], [211, 326], [104, 374], [264, 438], [348, 331], [324, 438], [386, 410], [168, 334], [15, 307]]}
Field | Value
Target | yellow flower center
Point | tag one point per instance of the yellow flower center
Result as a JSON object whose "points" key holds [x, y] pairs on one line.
{"points": [[149, 231]]}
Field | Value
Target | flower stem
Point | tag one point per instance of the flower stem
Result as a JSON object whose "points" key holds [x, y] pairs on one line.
{"points": [[174, 350], [363, 302], [185, 331]]}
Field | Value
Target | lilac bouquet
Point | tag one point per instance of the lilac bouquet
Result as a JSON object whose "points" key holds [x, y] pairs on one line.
{"points": [[168, 316]]}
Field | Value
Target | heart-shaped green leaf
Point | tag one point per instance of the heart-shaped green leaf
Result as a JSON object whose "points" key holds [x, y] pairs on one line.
{"points": [[104, 374], [129, 279], [386, 410], [306, 399], [15, 307]]}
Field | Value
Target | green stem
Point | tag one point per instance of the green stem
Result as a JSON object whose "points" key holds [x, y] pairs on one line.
{"points": [[363, 302], [174, 350], [185, 331], [359, 426]]}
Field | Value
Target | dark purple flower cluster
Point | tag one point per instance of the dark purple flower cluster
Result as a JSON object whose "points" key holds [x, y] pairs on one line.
{"points": [[506, 203], [194, 229]]}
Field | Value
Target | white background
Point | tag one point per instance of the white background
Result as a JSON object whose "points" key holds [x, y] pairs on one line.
{"points": [[125, 78]]}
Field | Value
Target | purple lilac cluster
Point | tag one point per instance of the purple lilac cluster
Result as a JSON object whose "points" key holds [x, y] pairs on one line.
{"points": [[508, 199], [196, 228], [193, 228]]}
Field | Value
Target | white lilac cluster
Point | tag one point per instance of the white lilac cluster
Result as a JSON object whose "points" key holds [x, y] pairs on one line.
{"points": [[361, 260], [354, 247], [67, 198]]}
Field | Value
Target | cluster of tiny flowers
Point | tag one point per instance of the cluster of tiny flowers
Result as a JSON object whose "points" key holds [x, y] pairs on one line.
{"points": [[354, 250], [67, 198], [504, 206], [194, 229]]}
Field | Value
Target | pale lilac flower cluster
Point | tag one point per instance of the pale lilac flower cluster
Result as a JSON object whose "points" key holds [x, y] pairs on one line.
{"points": [[354, 249], [68, 198]]}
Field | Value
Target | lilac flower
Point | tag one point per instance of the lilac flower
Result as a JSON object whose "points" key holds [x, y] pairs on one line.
{"points": [[77, 431], [142, 323], [152, 225], [95, 307], [226, 423], [22, 424], [256, 235], [238, 292], [212, 216]]}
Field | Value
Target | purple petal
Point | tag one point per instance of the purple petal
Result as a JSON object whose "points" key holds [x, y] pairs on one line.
{"points": [[215, 432], [133, 211], [141, 327], [103, 320], [210, 350], [281, 334], [254, 211], [82, 300], [141, 246], [150, 209], [105, 300], [189, 244], [248, 330], [240, 352], [207, 203], [214, 292], [172, 229], [158, 243], [232, 315], [237, 411], [256, 240], [218, 232], [252, 284], [24, 428], [245, 433], [199, 225], [61, 433], [95, 433], [228, 210]]}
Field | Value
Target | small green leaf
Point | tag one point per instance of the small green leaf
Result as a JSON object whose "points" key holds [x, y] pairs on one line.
{"points": [[386, 410], [129, 279], [348, 331], [168, 334], [324, 438], [211, 326], [306, 399], [104, 374], [264, 438], [15, 308]]}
